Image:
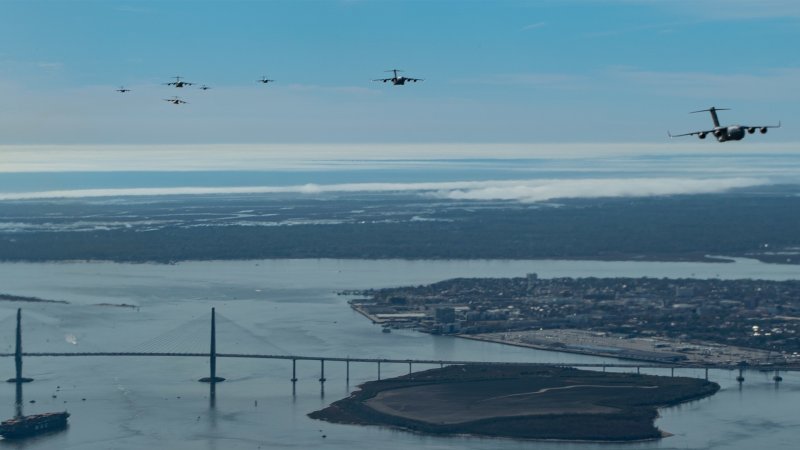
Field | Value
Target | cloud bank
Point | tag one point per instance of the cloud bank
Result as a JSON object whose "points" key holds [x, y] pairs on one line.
{"points": [[543, 190], [526, 191]]}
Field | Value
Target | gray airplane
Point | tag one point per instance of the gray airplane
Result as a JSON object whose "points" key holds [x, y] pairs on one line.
{"points": [[265, 80], [123, 89], [727, 133], [398, 81], [178, 83], [175, 100]]}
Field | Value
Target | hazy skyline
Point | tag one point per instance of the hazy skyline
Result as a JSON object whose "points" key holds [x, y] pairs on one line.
{"points": [[547, 71]]}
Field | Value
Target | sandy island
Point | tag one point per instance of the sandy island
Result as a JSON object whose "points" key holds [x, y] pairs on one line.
{"points": [[518, 401]]}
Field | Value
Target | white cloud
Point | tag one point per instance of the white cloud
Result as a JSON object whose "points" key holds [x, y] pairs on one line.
{"points": [[543, 190], [526, 191], [72, 158]]}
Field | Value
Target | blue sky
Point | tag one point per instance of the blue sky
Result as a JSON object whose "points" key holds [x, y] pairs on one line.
{"points": [[549, 71]]}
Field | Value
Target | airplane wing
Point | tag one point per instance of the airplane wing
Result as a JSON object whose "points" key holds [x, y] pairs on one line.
{"points": [[414, 79], [762, 126], [693, 133], [383, 79]]}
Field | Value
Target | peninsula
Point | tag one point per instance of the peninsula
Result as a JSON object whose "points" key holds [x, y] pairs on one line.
{"points": [[649, 319], [519, 401]]}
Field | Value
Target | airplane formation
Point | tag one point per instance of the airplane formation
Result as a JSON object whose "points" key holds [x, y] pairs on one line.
{"points": [[720, 132]]}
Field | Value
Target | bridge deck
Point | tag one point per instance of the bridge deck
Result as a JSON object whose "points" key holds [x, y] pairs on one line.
{"points": [[632, 365]]}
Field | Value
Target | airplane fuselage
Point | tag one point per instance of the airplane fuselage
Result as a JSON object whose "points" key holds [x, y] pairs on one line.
{"points": [[731, 133], [399, 81]]}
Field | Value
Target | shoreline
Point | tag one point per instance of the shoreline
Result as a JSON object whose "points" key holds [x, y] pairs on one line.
{"points": [[707, 259], [553, 350], [563, 348]]}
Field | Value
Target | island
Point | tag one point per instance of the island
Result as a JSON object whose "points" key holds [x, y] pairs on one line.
{"points": [[519, 401]]}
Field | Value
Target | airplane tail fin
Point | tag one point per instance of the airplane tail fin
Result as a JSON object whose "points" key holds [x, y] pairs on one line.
{"points": [[394, 70], [713, 112]]}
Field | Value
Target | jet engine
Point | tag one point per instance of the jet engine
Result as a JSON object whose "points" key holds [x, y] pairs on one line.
{"points": [[751, 130], [763, 130], [701, 135], [717, 133]]}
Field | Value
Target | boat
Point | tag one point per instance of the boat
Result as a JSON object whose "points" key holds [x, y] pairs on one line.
{"points": [[24, 426], [386, 330]]}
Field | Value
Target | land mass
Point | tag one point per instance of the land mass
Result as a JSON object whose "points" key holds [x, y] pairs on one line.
{"points": [[20, 298], [653, 319], [519, 401], [759, 224]]}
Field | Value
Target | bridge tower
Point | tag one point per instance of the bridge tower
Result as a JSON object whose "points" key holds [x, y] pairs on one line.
{"points": [[18, 353], [213, 378]]}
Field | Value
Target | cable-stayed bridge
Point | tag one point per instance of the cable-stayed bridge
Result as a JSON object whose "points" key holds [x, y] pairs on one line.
{"points": [[193, 339]]}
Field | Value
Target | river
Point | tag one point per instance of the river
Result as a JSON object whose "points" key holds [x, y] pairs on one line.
{"points": [[292, 306]]}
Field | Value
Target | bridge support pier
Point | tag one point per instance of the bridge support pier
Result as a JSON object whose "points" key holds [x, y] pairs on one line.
{"points": [[706, 373], [638, 370], [778, 378], [18, 378], [322, 371], [672, 371], [294, 371], [212, 377], [379, 371], [409, 368], [740, 378]]}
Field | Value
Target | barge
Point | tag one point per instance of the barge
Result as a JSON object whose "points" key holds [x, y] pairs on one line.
{"points": [[24, 426]]}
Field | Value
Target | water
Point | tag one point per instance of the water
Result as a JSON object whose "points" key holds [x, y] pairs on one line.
{"points": [[292, 306]]}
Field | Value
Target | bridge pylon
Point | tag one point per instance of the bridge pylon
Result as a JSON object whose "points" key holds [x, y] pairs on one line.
{"points": [[18, 378], [212, 377]]}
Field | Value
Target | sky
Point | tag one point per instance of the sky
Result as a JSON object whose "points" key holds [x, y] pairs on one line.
{"points": [[495, 72]]}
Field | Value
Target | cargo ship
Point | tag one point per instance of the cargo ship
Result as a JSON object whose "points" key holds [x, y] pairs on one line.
{"points": [[24, 426]]}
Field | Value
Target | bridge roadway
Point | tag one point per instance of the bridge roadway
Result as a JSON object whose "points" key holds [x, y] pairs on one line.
{"points": [[632, 365]]}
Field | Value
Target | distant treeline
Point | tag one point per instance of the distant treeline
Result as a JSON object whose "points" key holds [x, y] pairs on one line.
{"points": [[659, 228]]}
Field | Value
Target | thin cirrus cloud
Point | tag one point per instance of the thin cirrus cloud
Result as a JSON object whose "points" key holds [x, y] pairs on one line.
{"points": [[525, 191], [534, 26], [777, 84], [714, 10], [550, 80]]}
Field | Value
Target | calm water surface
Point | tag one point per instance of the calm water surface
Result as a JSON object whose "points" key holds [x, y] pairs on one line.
{"points": [[291, 306]]}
